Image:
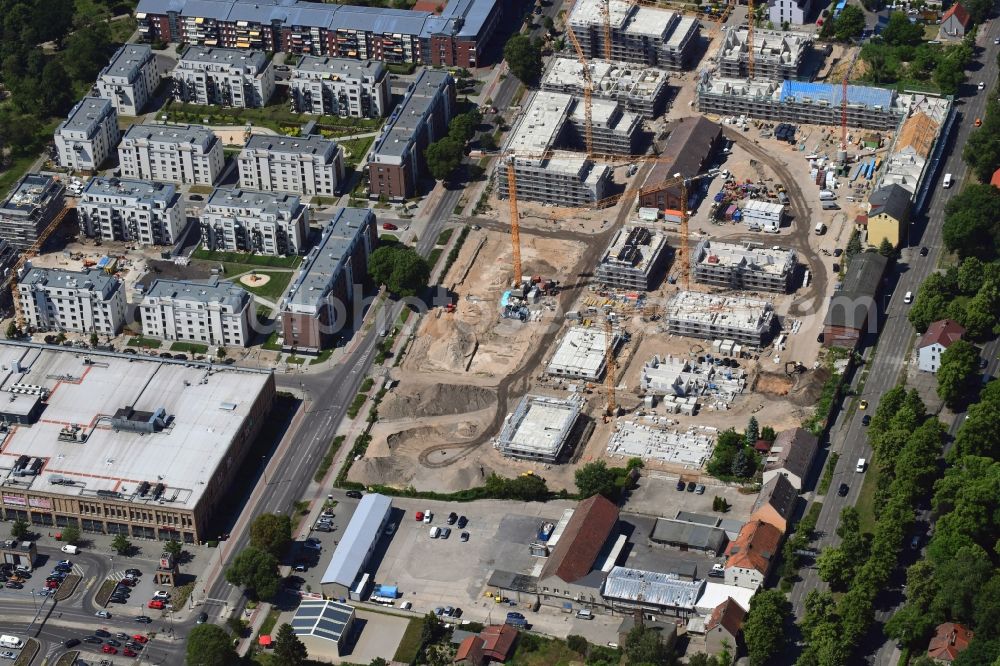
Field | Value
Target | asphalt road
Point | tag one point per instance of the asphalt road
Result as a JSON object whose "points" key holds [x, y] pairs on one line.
{"points": [[887, 361]]}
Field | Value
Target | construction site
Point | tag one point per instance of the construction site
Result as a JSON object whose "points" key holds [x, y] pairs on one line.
{"points": [[639, 89]]}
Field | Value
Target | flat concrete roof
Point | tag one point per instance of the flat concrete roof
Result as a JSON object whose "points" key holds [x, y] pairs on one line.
{"points": [[603, 113], [252, 202], [58, 278], [194, 134], [754, 259], [343, 68], [129, 189], [252, 61], [313, 144], [627, 248], [539, 425], [609, 77], [734, 312], [581, 351], [590, 12], [206, 407], [771, 46], [399, 131], [327, 259], [126, 61], [31, 192], [212, 290], [691, 448], [87, 115], [540, 123]]}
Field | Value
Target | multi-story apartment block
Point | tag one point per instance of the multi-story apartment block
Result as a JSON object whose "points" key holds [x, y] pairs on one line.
{"points": [[793, 12], [455, 36], [339, 87], [646, 35], [89, 301], [171, 153], [311, 166], [744, 267], [777, 54], [130, 79], [132, 211], [396, 161], [88, 135], [315, 309], [227, 77], [214, 312], [238, 220], [32, 205]]}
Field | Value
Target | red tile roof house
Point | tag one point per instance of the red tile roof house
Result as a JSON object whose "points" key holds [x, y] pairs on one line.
{"points": [[939, 336], [955, 21], [752, 554], [724, 628], [494, 643], [949, 640]]}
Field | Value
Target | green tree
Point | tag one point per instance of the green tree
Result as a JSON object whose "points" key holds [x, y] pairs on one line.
{"points": [[210, 645], [221, 352], [850, 24], [19, 529], [900, 32], [174, 548], [887, 249], [523, 58], [487, 141], [596, 478], [643, 645], [966, 575], [12, 330], [982, 149], [256, 571], [70, 534], [932, 300], [764, 627], [94, 340], [57, 90], [836, 568], [121, 544], [577, 644], [463, 126], [982, 311], [444, 156], [727, 445], [288, 649], [378, 661], [956, 376], [752, 433], [978, 434], [744, 463], [271, 533], [971, 227], [400, 269], [431, 629]]}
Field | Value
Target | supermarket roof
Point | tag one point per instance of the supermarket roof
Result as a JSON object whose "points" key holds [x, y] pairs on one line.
{"points": [[832, 95]]}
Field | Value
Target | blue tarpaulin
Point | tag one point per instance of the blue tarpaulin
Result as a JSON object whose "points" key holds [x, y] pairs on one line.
{"points": [[831, 95], [390, 591]]}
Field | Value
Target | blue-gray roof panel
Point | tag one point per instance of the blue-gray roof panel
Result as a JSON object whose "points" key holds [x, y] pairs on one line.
{"points": [[357, 540]]}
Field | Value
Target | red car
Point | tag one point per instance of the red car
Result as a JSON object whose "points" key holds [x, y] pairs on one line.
{"points": [[127, 581], [389, 226], [139, 638], [109, 649], [129, 653], [156, 603], [419, 516], [52, 584]]}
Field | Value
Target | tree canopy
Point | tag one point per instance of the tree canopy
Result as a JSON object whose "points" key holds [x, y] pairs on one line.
{"points": [[443, 157], [400, 269], [957, 376], [850, 24], [271, 533], [596, 478], [971, 225], [900, 32], [764, 627], [210, 645], [644, 645], [256, 571], [288, 649], [524, 58]]}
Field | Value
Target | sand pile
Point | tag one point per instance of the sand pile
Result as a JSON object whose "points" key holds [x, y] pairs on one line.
{"points": [[435, 400]]}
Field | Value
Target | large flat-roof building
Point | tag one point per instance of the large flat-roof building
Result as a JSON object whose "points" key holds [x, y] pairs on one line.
{"points": [[129, 79], [209, 312], [639, 34], [642, 90], [357, 543], [634, 259], [310, 166], [743, 267], [457, 35], [131, 445], [131, 211], [539, 428], [582, 353], [777, 54], [316, 307], [89, 301], [342, 87], [696, 315], [32, 205], [396, 160], [241, 78], [171, 154], [237, 220], [88, 136]]}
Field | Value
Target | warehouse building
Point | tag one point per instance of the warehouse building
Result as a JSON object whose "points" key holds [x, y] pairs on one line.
{"points": [[316, 307], [455, 35], [582, 354], [357, 543], [132, 445], [634, 259], [88, 136], [236, 220], [852, 311], [309, 166], [539, 428], [342, 87], [209, 75], [130, 79], [627, 590], [688, 151], [209, 312], [33, 204], [171, 154], [131, 211], [396, 160], [744, 267], [689, 535], [639, 34], [744, 320], [777, 55], [89, 301], [638, 89], [323, 626]]}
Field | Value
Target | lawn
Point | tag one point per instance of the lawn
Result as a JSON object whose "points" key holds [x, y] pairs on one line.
{"points": [[189, 347], [433, 257], [444, 236], [274, 288], [146, 343], [536, 651], [248, 259], [122, 29], [355, 149], [408, 647], [324, 355], [276, 116]]}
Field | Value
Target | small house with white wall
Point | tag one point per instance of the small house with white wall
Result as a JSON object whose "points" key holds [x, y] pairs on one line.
{"points": [[939, 336]]}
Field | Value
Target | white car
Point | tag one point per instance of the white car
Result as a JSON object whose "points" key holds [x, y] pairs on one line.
{"points": [[435, 532], [162, 595], [103, 613], [7, 654], [428, 516], [981, 85]]}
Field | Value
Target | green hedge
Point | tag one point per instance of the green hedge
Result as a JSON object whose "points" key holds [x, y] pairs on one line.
{"points": [[355, 407], [324, 464]]}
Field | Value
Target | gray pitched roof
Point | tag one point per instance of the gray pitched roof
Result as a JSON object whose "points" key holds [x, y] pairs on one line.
{"points": [[780, 494], [852, 305], [793, 451], [892, 200]]}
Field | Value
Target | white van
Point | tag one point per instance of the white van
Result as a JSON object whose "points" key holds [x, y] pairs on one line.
{"points": [[946, 183], [908, 297], [820, 229], [826, 195], [862, 463], [585, 614], [72, 550], [10, 641]]}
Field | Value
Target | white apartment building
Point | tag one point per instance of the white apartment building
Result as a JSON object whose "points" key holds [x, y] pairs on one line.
{"points": [[171, 154], [237, 220], [130, 79], [340, 87], [214, 312], [308, 166], [82, 302], [88, 135], [227, 77], [132, 211]]}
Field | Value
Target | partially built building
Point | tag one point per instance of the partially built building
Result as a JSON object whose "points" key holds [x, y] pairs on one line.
{"points": [[539, 428], [582, 354], [747, 267], [710, 317], [634, 259], [642, 90], [689, 449], [639, 34], [777, 55]]}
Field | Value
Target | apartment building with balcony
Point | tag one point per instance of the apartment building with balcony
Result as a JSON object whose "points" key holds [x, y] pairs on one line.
{"points": [[129, 79], [237, 220], [89, 301], [88, 135], [171, 154], [309, 166], [131, 211], [340, 87], [208, 75], [211, 312]]}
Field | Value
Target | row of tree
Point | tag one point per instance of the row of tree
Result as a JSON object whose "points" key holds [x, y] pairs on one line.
{"points": [[444, 155], [968, 293], [255, 568], [907, 444]]}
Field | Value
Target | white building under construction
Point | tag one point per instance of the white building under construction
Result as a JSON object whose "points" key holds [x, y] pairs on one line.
{"points": [[647, 35], [539, 428], [582, 354], [710, 317], [777, 55], [642, 90], [634, 259], [748, 267]]}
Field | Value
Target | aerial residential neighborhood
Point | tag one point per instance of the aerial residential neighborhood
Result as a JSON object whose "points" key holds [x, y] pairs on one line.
{"points": [[479, 331]]}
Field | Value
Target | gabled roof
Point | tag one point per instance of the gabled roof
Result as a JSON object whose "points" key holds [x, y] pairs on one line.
{"points": [[755, 547], [864, 275], [959, 12], [918, 132], [582, 540], [729, 615], [779, 494], [949, 640], [793, 451], [892, 200], [498, 641], [942, 332], [471, 649], [688, 145]]}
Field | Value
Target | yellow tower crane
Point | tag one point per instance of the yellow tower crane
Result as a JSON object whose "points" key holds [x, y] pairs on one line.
{"points": [[33, 250], [588, 88]]}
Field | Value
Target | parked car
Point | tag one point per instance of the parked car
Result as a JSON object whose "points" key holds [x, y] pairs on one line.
{"points": [[7, 654], [924, 251], [428, 516], [465, 536], [71, 642], [843, 489], [866, 419], [681, 485], [700, 489], [143, 619], [691, 486], [353, 494], [435, 532], [132, 645], [462, 522], [312, 544], [109, 649], [419, 515], [452, 518], [445, 532], [93, 640], [112, 642], [133, 572], [202, 618], [139, 638], [389, 226], [129, 653], [156, 603], [102, 633]]}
